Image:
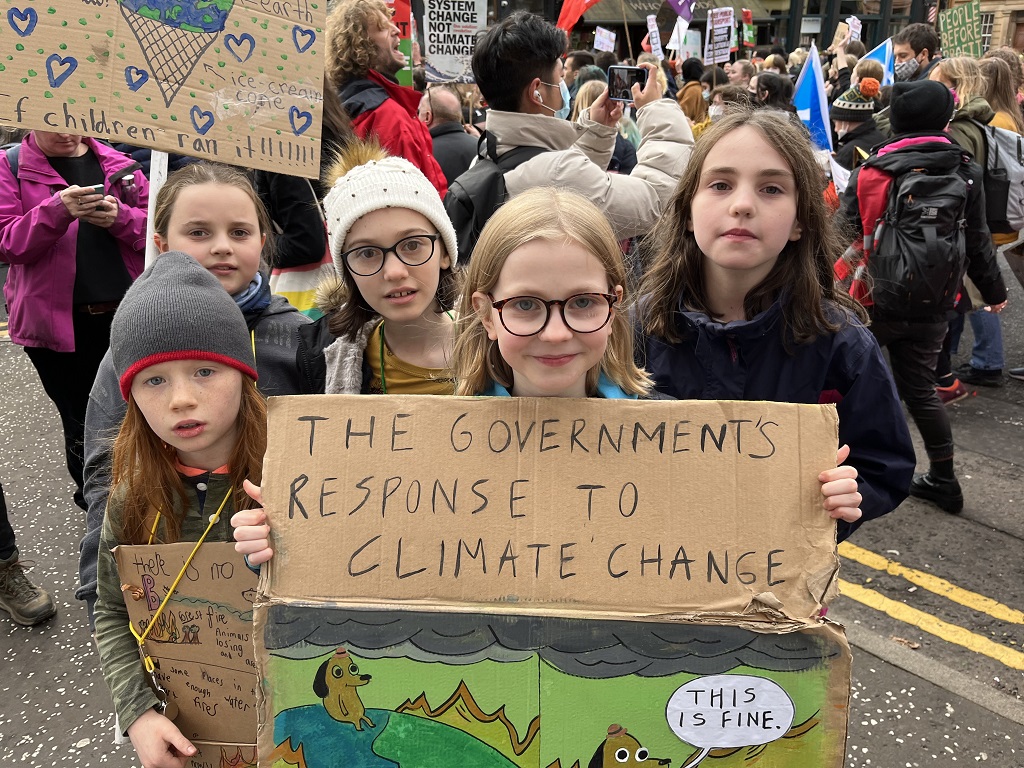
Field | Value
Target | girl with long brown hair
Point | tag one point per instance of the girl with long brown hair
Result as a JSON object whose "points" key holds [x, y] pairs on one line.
{"points": [[739, 303], [195, 431]]}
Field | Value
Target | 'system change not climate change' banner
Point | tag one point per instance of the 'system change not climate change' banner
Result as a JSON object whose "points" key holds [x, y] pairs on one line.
{"points": [[236, 81]]}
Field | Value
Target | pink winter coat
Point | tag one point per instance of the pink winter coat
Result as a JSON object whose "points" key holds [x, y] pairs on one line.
{"points": [[38, 238]]}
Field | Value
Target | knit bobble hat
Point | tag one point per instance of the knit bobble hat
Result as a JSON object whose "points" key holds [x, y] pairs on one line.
{"points": [[365, 179], [857, 105], [176, 310], [920, 106]]}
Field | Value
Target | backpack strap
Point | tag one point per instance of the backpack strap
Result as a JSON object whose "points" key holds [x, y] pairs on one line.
{"points": [[488, 147], [13, 151]]}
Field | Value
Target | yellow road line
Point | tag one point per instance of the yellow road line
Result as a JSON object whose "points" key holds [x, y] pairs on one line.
{"points": [[946, 589], [951, 633]]}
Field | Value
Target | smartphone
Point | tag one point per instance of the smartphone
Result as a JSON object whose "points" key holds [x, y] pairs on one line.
{"points": [[621, 79], [95, 188]]}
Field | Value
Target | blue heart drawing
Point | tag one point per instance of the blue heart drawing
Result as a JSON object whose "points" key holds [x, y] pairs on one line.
{"points": [[23, 22], [135, 78], [307, 35], [305, 118], [54, 62], [245, 41], [201, 119]]}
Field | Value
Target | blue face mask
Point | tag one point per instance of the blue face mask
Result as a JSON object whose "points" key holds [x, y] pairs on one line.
{"points": [[563, 113]]}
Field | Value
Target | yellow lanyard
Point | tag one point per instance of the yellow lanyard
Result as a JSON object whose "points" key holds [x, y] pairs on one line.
{"points": [[147, 660]]}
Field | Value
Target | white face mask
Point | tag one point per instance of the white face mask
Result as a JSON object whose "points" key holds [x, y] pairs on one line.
{"points": [[715, 111], [706, 95]]}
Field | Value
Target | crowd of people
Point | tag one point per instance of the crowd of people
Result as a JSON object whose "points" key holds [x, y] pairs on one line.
{"points": [[684, 244]]}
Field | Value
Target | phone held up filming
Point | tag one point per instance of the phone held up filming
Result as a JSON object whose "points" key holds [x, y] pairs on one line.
{"points": [[621, 80]]}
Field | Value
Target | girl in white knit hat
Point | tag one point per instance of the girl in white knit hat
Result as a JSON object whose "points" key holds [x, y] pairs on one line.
{"points": [[394, 250]]}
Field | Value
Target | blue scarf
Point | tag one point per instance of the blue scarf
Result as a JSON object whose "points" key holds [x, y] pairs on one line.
{"points": [[255, 298]]}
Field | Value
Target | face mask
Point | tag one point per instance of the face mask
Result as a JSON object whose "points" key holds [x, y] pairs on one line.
{"points": [[706, 95], [715, 111], [563, 113], [906, 69]]}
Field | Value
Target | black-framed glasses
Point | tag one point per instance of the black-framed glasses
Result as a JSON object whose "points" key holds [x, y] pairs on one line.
{"points": [[581, 312], [367, 260]]}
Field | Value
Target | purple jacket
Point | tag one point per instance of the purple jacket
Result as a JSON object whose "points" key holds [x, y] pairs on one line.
{"points": [[38, 238]]}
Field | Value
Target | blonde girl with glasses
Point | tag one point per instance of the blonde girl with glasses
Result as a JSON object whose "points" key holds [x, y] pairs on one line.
{"points": [[388, 319], [543, 306]]}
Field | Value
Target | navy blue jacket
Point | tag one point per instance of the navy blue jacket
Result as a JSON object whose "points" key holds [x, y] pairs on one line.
{"points": [[746, 360]]}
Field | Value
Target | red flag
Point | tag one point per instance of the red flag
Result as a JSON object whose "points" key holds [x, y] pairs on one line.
{"points": [[571, 12]]}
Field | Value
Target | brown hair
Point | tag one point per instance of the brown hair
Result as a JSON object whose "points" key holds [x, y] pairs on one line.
{"points": [[350, 50], [144, 466], [541, 213], [803, 269], [869, 68], [208, 173], [999, 91]]}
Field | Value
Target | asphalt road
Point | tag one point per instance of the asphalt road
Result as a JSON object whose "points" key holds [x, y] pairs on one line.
{"points": [[933, 603]]}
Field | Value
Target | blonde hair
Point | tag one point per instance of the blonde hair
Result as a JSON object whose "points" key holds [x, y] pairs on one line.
{"points": [[542, 213], [965, 75], [587, 95], [659, 72], [350, 49]]}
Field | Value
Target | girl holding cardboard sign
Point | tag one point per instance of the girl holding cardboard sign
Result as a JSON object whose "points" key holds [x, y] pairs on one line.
{"points": [[196, 426]]}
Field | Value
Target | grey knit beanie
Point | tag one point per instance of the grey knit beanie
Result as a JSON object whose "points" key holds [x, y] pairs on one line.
{"points": [[365, 179], [176, 310]]}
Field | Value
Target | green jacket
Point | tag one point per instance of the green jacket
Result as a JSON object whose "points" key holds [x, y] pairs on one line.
{"points": [[118, 649], [966, 133]]}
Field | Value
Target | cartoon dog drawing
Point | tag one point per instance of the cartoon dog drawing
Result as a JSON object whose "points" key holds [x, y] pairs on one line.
{"points": [[619, 748], [336, 682]]}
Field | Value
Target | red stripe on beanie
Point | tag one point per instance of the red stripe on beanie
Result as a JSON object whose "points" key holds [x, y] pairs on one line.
{"points": [[185, 354]]}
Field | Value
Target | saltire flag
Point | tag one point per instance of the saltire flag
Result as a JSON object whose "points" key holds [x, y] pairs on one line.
{"points": [[884, 56], [571, 12], [810, 102], [684, 8]]}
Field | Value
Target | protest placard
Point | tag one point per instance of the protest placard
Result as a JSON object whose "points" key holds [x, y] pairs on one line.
{"points": [[450, 28], [678, 36], [842, 30], [960, 30], [604, 39], [238, 81], [202, 641], [721, 28], [654, 36], [856, 26], [447, 570]]}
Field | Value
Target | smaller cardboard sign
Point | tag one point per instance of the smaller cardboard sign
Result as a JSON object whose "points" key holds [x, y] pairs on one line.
{"points": [[654, 36], [842, 30], [691, 46], [202, 643], [721, 27], [960, 30], [604, 39], [450, 28], [855, 27]]}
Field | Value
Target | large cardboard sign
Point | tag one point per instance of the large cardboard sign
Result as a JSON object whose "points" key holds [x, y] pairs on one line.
{"points": [[202, 643], [450, 28], [960, 30], [721, 28], [235, 81], [547, 582]]}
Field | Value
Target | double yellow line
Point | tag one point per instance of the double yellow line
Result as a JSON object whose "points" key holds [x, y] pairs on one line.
{"points": [[926, 622]]}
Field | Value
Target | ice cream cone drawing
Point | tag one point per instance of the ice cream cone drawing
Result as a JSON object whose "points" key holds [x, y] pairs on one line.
{"points": [[174, 35]]}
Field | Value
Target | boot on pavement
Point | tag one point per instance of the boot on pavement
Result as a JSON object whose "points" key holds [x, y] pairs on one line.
{"points": [[945, 494], [28, 604]]}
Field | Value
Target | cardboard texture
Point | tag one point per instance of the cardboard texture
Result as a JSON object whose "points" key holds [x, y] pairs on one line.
{"points": [[235, 81], [586, 608], [202, 643], [710, 510]]}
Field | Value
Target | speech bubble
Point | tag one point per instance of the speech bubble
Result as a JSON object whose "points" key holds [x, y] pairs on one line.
{"points": [[722, 711]]}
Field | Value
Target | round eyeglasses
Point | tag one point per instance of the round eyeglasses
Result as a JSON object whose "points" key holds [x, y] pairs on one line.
{"points": [[367, 260], [581, 312]]}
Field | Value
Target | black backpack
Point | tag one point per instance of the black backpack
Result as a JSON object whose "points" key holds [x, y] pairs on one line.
{"points": [[476, 194], [918, 254], [12, 150]]}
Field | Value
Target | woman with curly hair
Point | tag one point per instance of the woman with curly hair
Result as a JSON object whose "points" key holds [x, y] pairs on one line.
{"points": [[362, 60]]}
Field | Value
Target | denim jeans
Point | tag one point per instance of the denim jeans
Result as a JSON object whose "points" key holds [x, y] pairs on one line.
{"points": [[987, 351]]}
